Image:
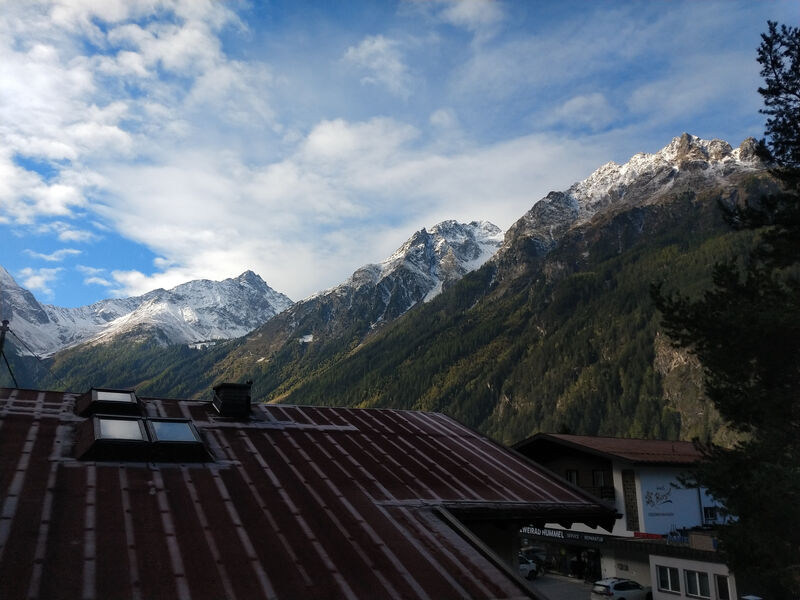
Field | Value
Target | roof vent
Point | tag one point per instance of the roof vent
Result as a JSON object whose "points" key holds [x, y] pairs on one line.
{"points": [[232, 399]]}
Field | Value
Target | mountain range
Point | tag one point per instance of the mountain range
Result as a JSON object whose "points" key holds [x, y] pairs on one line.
{"points": [[202, 312], [550, 326], [197, 311]]}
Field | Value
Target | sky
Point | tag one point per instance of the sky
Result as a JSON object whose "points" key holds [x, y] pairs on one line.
{"points": [[145, 143]]}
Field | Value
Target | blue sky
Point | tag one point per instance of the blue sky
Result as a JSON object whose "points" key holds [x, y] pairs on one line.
{"points": [[144, 143]]}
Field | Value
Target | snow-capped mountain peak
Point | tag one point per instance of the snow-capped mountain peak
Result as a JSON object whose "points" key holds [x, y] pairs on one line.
{"points": [[430, 260], [417, 271], [195, 311], [448, 246], [684, 163]]}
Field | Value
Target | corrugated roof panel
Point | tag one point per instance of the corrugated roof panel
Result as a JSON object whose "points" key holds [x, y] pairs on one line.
{"points": [[636, 450], [63, 561], [156, 574], [299, 502], [112, 543], [21, 507]]}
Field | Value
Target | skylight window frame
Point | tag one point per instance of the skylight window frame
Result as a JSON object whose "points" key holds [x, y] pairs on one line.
{"points": [[93, 403], [151, 429], [98, 428], [173, 450], [91, 444]]}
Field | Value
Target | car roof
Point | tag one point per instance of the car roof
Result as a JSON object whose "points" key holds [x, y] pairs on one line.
{"points": [[610, 580]]}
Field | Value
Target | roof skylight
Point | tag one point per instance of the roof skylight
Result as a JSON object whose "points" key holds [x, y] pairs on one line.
{"points": [[108, 401], [112, 396], [172, 431], [121, 438], [121, 429]]}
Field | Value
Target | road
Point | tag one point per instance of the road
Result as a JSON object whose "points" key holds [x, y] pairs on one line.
{"points": [[557, 587]]}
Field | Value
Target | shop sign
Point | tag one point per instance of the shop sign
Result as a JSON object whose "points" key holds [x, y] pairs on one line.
{"points": [[564, 534]]}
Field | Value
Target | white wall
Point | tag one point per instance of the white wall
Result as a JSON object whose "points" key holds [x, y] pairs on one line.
{"points": [[682, 565], [665, 504]]}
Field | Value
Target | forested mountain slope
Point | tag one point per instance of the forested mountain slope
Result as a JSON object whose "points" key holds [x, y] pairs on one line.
{"points": [[556, 332], [427, 263]]}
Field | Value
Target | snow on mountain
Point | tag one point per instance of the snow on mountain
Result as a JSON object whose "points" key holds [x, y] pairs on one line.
{"points": [[194, 311], [428, 261], [435, 258], [424, 265], [686, 163]]}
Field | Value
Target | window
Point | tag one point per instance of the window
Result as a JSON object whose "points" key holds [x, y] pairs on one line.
{"points": [[121, 429], [572, 476], [710, 514], [112, 396], [723, 590], [697, 584], [627, 586], [110, 402], [176, 440], [668, 580], [598, 478], [172, 431], [132, 439]]}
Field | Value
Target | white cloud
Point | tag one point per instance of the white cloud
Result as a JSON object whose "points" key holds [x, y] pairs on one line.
{"points": [[592, 111], [57, 256], [94, 276], [76, 235], [382, 60], [65, 232], [98, 281], [39, 280], [240, 92], [75, 112], [698, 84], [24, 196], [177, 135], [304, 222], [91, 271], [444, 118], [478, 16]]}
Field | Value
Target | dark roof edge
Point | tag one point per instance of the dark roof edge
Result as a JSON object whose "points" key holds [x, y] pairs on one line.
{"points": [[519, 455], [603, 454], [487, 552]]}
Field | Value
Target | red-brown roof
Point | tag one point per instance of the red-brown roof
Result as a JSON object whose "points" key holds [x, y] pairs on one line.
{"points": [[300, 502], [632, 450]]}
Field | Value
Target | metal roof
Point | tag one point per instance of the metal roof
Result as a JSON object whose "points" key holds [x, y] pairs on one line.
{"points": [[631, 450], [300, 502]]}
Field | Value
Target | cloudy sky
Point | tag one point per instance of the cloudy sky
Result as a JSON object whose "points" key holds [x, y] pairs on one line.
{"points": [[144, 143]]}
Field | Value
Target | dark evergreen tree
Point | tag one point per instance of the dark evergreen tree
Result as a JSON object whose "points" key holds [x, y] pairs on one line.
{"points": [[779, 55], [746, 333]]}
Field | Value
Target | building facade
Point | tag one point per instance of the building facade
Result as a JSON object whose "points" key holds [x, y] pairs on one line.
{"points": [[664, 534]]}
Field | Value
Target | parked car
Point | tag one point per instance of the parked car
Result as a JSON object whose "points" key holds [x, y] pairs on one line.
{"points": [[529, 569], [620, 589]]}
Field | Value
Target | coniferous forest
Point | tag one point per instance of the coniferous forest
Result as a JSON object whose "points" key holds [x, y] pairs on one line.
{"points": [[564, 341]]}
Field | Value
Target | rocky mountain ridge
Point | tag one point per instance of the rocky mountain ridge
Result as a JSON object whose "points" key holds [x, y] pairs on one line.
{"points": [[375, 294], [556, 331], [686, 164], [199, 310]]}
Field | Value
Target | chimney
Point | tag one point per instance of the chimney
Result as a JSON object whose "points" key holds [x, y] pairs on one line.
{"points": [[232, 399]]}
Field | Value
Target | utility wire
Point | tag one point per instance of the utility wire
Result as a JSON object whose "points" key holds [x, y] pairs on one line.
{"points": [[5, 358], [3, 330], [37, 357]]}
